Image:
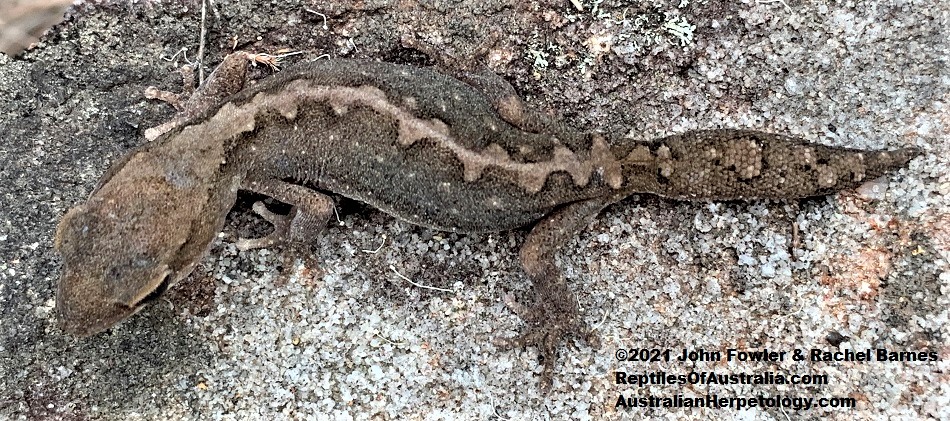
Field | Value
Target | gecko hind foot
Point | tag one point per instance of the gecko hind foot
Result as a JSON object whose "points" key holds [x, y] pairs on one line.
{"points": [[548, 324]]}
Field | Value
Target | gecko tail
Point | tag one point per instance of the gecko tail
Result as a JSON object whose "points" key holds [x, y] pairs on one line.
{"points": [[746, 165], [880, 163]]}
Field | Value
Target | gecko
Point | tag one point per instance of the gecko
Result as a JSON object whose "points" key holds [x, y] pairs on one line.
{"points": [[459, 153]]}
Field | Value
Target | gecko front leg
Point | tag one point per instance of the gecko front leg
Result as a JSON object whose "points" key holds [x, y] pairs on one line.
{"points": [[307, 218], [554, 315], [226, 79]]}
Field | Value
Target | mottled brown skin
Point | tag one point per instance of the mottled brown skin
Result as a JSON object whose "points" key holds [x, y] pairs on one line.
{"points": [[418, 144]]}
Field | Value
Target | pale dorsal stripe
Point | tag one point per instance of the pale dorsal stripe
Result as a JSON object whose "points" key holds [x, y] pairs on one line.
{"points": [[529, 176]]}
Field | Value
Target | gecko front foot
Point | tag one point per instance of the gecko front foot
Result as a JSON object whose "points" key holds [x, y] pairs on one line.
{"points": [[308, 215], [227, 79], [552, 319], [281, 225]]}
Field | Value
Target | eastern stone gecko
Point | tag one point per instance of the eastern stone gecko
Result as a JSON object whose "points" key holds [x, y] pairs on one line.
{"points": [[418, 144]]}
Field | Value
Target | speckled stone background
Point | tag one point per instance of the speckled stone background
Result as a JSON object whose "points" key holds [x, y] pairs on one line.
{"points": [[335, 332]]}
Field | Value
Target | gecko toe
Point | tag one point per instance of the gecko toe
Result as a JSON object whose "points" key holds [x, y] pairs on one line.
{"points": [[261, 209], [245, 244], [281, 225]]}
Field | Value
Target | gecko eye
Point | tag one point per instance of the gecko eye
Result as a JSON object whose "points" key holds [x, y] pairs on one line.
{"points": [[157, 292]]}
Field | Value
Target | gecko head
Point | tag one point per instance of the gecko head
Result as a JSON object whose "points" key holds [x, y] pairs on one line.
{"points": [[122, 250]]}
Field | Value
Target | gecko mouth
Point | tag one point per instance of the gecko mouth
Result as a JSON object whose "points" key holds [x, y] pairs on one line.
{"points": [[157, 292]]}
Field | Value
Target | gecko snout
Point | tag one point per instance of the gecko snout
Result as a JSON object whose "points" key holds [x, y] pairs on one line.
{"points": [[82, 308]]}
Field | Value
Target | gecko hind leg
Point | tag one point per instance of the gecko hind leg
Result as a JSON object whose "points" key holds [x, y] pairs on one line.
{"points": [[554, 315], [509, 105], [308, 215], [470, 69]]}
